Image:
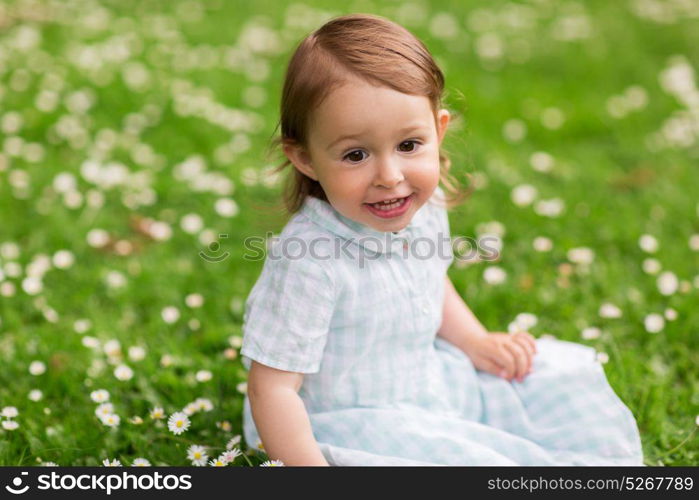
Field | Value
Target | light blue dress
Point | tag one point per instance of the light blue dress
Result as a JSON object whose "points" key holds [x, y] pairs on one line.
{"points": [[357, 311]]}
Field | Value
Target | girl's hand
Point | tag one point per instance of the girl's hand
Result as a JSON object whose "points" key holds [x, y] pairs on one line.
{"points": [[504, 355]]}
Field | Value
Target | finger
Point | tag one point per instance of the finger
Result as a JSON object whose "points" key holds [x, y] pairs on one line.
{"points": [[520, 357], [525, 341], [491, 367], [506, 360], [530, 339], [530, 356], [526, 345]]}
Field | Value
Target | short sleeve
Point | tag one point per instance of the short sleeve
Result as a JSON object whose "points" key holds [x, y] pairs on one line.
{"points": [[287, 315]]}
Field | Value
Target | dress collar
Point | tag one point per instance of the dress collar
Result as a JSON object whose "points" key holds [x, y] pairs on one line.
{"points": [[325, 215]]}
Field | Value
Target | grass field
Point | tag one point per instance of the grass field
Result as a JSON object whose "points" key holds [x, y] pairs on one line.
{"points": [[134, 135]]}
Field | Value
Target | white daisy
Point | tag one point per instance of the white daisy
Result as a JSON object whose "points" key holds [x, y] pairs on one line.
{"points": [[37, 368], [157, 413], [99, 396], [523, 195], [233, 442], [494, 275], [104, 409], [137, 353], [217, 462], [648, 243], [226, 207], [178, 423], [113, 463], [123, 372], [9, 425], [542, 244], [230, 455], [111, 420], [170, 314], [194, 300], [197, 455], [651, 266], [235, 341], [654, 323], [581, 255], [35, 395], [668, 283], [140, 462], [694, 242], [190, 409], [549, 208], [609, 310], [204, 404], [272, 463], [591, 332], [9, 412], [203, 376]]}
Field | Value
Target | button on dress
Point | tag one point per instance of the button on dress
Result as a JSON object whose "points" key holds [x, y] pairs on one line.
{"points": [[357, 312]]}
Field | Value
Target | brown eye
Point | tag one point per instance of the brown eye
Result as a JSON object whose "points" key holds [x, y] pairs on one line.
{"points": [[412, 148], [355, 156]]}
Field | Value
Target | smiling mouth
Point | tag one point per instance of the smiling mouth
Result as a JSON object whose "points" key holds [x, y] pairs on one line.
{"points": [[390, 208], [388, 204]]}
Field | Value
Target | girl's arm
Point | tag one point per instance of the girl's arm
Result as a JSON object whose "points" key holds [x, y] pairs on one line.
{"points": [[280, 416], [459, 325], [502, 354]]}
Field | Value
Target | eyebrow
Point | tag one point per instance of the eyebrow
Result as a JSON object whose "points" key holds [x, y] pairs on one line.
{"points": [[409, 128]]}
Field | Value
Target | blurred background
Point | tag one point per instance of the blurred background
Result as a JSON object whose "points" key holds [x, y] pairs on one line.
{"points": [[133, 164]]}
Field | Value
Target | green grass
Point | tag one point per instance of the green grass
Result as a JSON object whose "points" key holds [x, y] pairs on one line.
{"points": [[614, 186]]}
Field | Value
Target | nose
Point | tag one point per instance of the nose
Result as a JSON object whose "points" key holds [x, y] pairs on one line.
{"points": [[388, 173]]}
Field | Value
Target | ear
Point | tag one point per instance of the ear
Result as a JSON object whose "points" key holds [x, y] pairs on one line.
{"points": [[300, 158], [442, 123]]}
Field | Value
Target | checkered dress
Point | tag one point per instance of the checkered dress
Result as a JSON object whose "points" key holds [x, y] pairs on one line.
{"points": [[357, 311]]}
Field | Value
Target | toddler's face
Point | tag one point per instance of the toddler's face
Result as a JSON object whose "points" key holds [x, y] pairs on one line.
{"points": [[393, 153]]}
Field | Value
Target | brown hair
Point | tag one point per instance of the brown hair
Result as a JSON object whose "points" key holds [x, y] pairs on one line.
{"points": [[370, 47]]}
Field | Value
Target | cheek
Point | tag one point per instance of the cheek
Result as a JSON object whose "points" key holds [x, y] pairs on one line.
{"points": [[425, 170], [343, 185]]}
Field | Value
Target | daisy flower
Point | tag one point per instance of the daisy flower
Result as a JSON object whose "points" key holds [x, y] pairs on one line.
{"points": [[113, 463], [197, 455], [190, 409], [233, 441], [9, 412], [99, 396], [140, 462], [272, 463], [216, 462], [230, 455], [157, 413], [35, 395], [204, 404], [104, 409], [49, 464], [111, 420], [9, 425], [178, 423], [37, 368], [123, 372]]}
